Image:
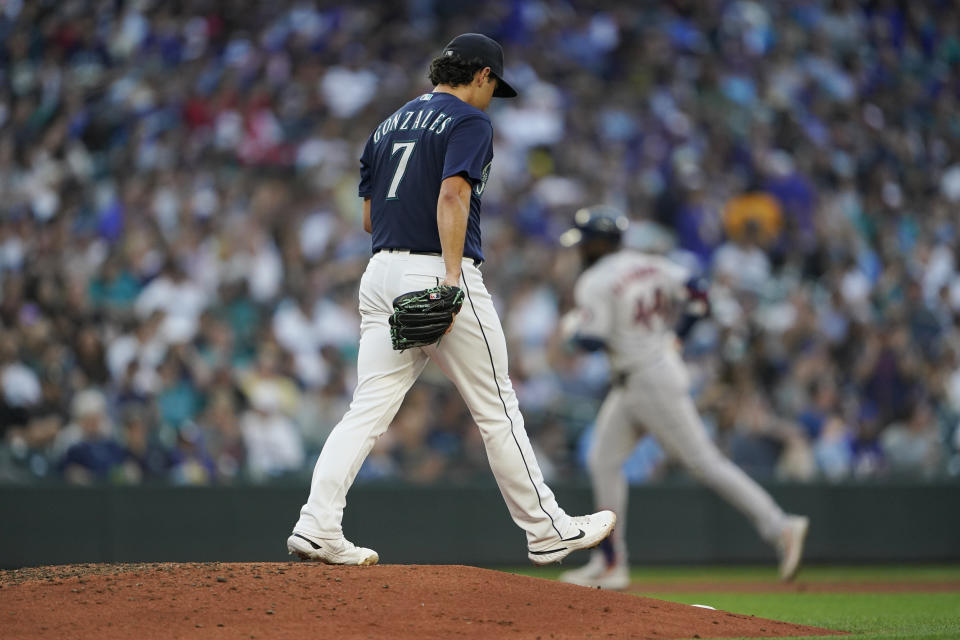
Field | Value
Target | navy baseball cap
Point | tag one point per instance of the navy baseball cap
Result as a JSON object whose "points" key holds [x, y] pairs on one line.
{"points": [[477, 45], [598, 221]]}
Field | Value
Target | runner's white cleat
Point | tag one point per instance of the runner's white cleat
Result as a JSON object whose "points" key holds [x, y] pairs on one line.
{"points": [[790, 546], [336, 551], [597, 574], [585, 532]]}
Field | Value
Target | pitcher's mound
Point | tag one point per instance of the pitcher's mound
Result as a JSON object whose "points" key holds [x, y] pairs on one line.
{"points": [[309, 601]]}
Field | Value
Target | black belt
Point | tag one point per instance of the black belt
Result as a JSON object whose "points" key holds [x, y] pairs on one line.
{"points": [[476, 261]]}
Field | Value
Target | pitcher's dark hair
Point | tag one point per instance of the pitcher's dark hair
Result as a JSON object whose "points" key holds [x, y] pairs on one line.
{"points": [[454, 70]]}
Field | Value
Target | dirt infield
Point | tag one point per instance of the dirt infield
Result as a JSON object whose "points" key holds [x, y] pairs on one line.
{"points": [[800, 586], [301, 600]]}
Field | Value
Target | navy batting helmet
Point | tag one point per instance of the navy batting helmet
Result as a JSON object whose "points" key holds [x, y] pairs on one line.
{"points": [[598, 221]]}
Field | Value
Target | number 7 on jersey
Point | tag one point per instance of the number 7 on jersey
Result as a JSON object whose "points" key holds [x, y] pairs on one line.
{"points": [[406, 149]]}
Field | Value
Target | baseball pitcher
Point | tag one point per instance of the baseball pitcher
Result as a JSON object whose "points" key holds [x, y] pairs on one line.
{"points": [[422, 176]]}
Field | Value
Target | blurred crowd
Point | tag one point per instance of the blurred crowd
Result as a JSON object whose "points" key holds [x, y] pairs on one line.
{"points": [[180, 238]]}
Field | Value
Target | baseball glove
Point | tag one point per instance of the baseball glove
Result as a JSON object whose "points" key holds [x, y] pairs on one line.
{"points": [[421, 318]]}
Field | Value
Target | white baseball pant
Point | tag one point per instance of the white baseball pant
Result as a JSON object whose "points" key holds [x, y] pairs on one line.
{"points": [[656, 400], [473, 355]]}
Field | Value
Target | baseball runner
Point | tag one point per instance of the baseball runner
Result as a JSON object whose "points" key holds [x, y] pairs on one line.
{"points": [[622, 301], [422, 176]]}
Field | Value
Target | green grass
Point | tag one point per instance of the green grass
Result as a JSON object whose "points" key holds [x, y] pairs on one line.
{"points": [[870, 616], [877, 616]]}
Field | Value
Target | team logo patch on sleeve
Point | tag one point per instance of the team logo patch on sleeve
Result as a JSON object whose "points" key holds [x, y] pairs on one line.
{"points": [[485, 174]]}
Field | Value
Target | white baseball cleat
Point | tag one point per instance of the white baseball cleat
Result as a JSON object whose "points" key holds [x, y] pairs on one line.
{"points": [[585, 532], [791, 545], [597, 574], [335, 551]]}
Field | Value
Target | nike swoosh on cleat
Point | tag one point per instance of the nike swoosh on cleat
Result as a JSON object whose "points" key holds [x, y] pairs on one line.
{"points": [[314, 544], [543, 553]]}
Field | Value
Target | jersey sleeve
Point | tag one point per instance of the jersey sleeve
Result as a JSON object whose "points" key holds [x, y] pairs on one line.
{"points": [[468, 148], [366, 170], [674, 277], [594, 309]]}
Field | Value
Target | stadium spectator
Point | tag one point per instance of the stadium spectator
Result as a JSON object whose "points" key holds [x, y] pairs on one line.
{"points": [[271, 439], [94, 455]]}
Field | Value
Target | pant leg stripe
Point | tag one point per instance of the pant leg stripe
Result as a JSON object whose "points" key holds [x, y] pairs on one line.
{"points": [[505, 411]]}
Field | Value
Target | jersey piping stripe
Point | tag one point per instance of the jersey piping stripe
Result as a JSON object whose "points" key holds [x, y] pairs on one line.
{"points": [[505, 411]]}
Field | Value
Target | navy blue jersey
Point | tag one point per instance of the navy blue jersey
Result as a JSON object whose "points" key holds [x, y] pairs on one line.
{"points": [[429, 139]]}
